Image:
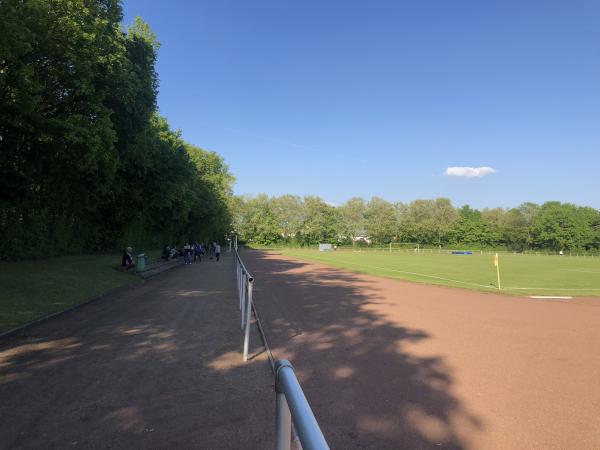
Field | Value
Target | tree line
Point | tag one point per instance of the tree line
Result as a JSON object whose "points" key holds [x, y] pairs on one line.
{"points": [[290, 219], [86, 162]]}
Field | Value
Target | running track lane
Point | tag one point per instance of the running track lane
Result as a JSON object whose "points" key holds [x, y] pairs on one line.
{"points": [[389, 364], [159, 366]]}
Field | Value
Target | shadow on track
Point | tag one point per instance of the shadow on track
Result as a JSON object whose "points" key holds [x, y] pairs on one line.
{"points": [[367, 385], [158, 367]]}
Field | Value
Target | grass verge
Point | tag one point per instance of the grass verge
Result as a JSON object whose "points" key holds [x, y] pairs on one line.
{"points": [[33, 289]]}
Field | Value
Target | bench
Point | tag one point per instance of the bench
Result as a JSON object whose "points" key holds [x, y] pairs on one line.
{"points": [[159, 266]]}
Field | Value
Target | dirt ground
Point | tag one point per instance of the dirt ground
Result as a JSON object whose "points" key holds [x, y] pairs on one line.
{"points": [[389, 364], [158, 366]]}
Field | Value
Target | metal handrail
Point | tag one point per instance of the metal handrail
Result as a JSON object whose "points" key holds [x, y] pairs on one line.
{"points": [[292, 405], [241, 263], [244, 283], [291, 401]]}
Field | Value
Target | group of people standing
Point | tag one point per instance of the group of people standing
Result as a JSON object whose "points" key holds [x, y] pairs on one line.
{"points": [[192, 252]]}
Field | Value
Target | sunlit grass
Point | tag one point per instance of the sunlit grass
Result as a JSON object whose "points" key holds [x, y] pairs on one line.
{"points": [[520, 274]]}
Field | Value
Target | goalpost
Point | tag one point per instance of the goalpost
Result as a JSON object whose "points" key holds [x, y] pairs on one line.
{"points": [[405, 247]]}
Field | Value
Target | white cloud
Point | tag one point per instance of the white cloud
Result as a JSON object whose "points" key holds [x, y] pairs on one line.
{"points": [[469, 172]]}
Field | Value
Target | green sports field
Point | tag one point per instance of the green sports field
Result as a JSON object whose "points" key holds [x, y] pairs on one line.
{"points": [[520, 274]]}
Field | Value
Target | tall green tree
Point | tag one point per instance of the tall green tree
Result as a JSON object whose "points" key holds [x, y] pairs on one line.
{"points": [[380, 219], [495, 220], [470, 228], [256, 222], [353, 218], [321, 222], [443, 219], [289, 210], [86, 164], [419, 222], [563, 226]]}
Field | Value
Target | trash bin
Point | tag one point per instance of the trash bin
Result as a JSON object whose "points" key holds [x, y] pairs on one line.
{"points": [[141, 262]]}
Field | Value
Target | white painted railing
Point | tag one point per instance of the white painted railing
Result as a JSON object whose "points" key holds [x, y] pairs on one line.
{"points": [[293, 406], [244, 284]]}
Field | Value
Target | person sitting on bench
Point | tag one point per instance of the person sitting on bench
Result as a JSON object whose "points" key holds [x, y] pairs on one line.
{"points": [[127, 260], [166, 253]]}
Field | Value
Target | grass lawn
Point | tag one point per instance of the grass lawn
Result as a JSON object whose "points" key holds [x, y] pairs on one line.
{"points": [[32, 289], [520, 274]]}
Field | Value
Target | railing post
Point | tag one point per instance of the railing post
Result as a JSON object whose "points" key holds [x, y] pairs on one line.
{"points": [[283, 417], [284, 423], [240, 286], [243, 298], [239, 280], [305, 423], [248, 314]]}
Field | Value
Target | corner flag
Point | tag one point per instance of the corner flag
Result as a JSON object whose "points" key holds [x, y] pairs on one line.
{"points": [[497, 269]]}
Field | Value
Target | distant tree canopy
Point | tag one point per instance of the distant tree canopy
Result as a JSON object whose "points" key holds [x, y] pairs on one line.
{"points": [[288, 219], [86, 163]]}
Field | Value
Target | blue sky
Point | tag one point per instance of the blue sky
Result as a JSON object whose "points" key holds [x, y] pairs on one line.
{"points": [[348, 98]]}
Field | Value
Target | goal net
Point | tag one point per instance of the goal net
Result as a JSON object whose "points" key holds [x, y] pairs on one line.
{"points": [[404, 247]]}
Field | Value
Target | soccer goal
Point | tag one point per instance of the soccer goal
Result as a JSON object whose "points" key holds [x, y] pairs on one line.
{"points": [[405, 247]]}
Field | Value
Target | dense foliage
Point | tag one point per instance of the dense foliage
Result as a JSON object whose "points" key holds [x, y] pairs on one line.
{"points": [[86, 163], [288, 219]]}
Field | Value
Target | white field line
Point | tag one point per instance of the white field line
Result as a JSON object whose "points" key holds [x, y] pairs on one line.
{"points": [[553, 289], [578, 270], [412, 273], [459, 281], [549, 297], [552, 299]]}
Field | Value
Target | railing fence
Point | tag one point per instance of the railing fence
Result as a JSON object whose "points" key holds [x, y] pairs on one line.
{"points": [[291, 403], [293, 406], [244, 284]]}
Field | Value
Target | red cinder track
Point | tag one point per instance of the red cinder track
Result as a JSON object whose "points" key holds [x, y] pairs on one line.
{"points": [[389, 364]]}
